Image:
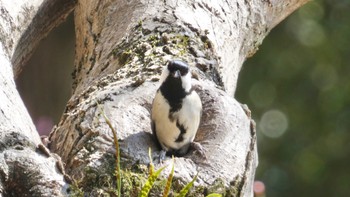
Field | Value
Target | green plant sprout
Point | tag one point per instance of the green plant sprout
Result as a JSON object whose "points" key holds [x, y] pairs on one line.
{"points": [[151, 178], [117, 152], [169, 180]]}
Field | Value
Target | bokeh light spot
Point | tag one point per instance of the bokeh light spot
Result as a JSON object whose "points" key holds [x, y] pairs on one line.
{"points": [[273, 123], [259, 188], [310, 33]]}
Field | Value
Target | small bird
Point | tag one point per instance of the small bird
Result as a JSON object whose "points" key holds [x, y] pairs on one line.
{"points": [[176, 110]]}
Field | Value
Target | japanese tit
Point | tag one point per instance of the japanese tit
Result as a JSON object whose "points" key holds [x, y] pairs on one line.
{"points": [[176, 110]]}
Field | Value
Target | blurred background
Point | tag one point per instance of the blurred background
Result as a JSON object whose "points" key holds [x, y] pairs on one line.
{"points": [[45, 82], [297, 86]]}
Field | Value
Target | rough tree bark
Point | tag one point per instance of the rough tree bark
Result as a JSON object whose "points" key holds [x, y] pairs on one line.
{"points": [[120, 49], [27, 168]]}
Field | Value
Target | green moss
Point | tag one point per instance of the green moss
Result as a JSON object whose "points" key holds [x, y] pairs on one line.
{"points": [[233, 190], [134, 177], [132, 183], [103, 183], [124, 57], [75, 191], [218, 186], [158, 187], [182, 41]]}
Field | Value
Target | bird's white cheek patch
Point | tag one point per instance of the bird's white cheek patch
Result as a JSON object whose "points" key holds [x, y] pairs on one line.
{"points": [[186, 82]]}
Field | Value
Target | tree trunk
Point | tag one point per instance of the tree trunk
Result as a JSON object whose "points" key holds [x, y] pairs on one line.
{"points": [[27, 168], [121, 47]]}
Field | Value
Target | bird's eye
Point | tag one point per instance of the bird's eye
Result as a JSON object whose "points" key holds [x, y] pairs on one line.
{"points": [[172, 67]]}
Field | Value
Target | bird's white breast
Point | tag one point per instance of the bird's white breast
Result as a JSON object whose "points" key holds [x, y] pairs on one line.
{"points": [[189, 116]]}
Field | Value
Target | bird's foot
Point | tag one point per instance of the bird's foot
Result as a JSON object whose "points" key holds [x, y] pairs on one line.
{"points": [[162, 155], [198, 148]]}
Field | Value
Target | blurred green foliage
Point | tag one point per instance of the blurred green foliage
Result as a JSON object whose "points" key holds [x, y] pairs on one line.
{"points": [[298, 88]]}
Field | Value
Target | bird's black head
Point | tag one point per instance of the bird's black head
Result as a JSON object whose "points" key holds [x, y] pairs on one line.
{"points": [[177, 67], [176, 79]]}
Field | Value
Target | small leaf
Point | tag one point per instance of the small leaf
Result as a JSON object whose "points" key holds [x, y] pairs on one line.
{"points": [[187, 188], [151, 166], [169, 181], [214, 195], [149, 183]]}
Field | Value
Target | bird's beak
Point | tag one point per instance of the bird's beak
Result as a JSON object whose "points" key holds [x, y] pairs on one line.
{"points": [[177, 74]]}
